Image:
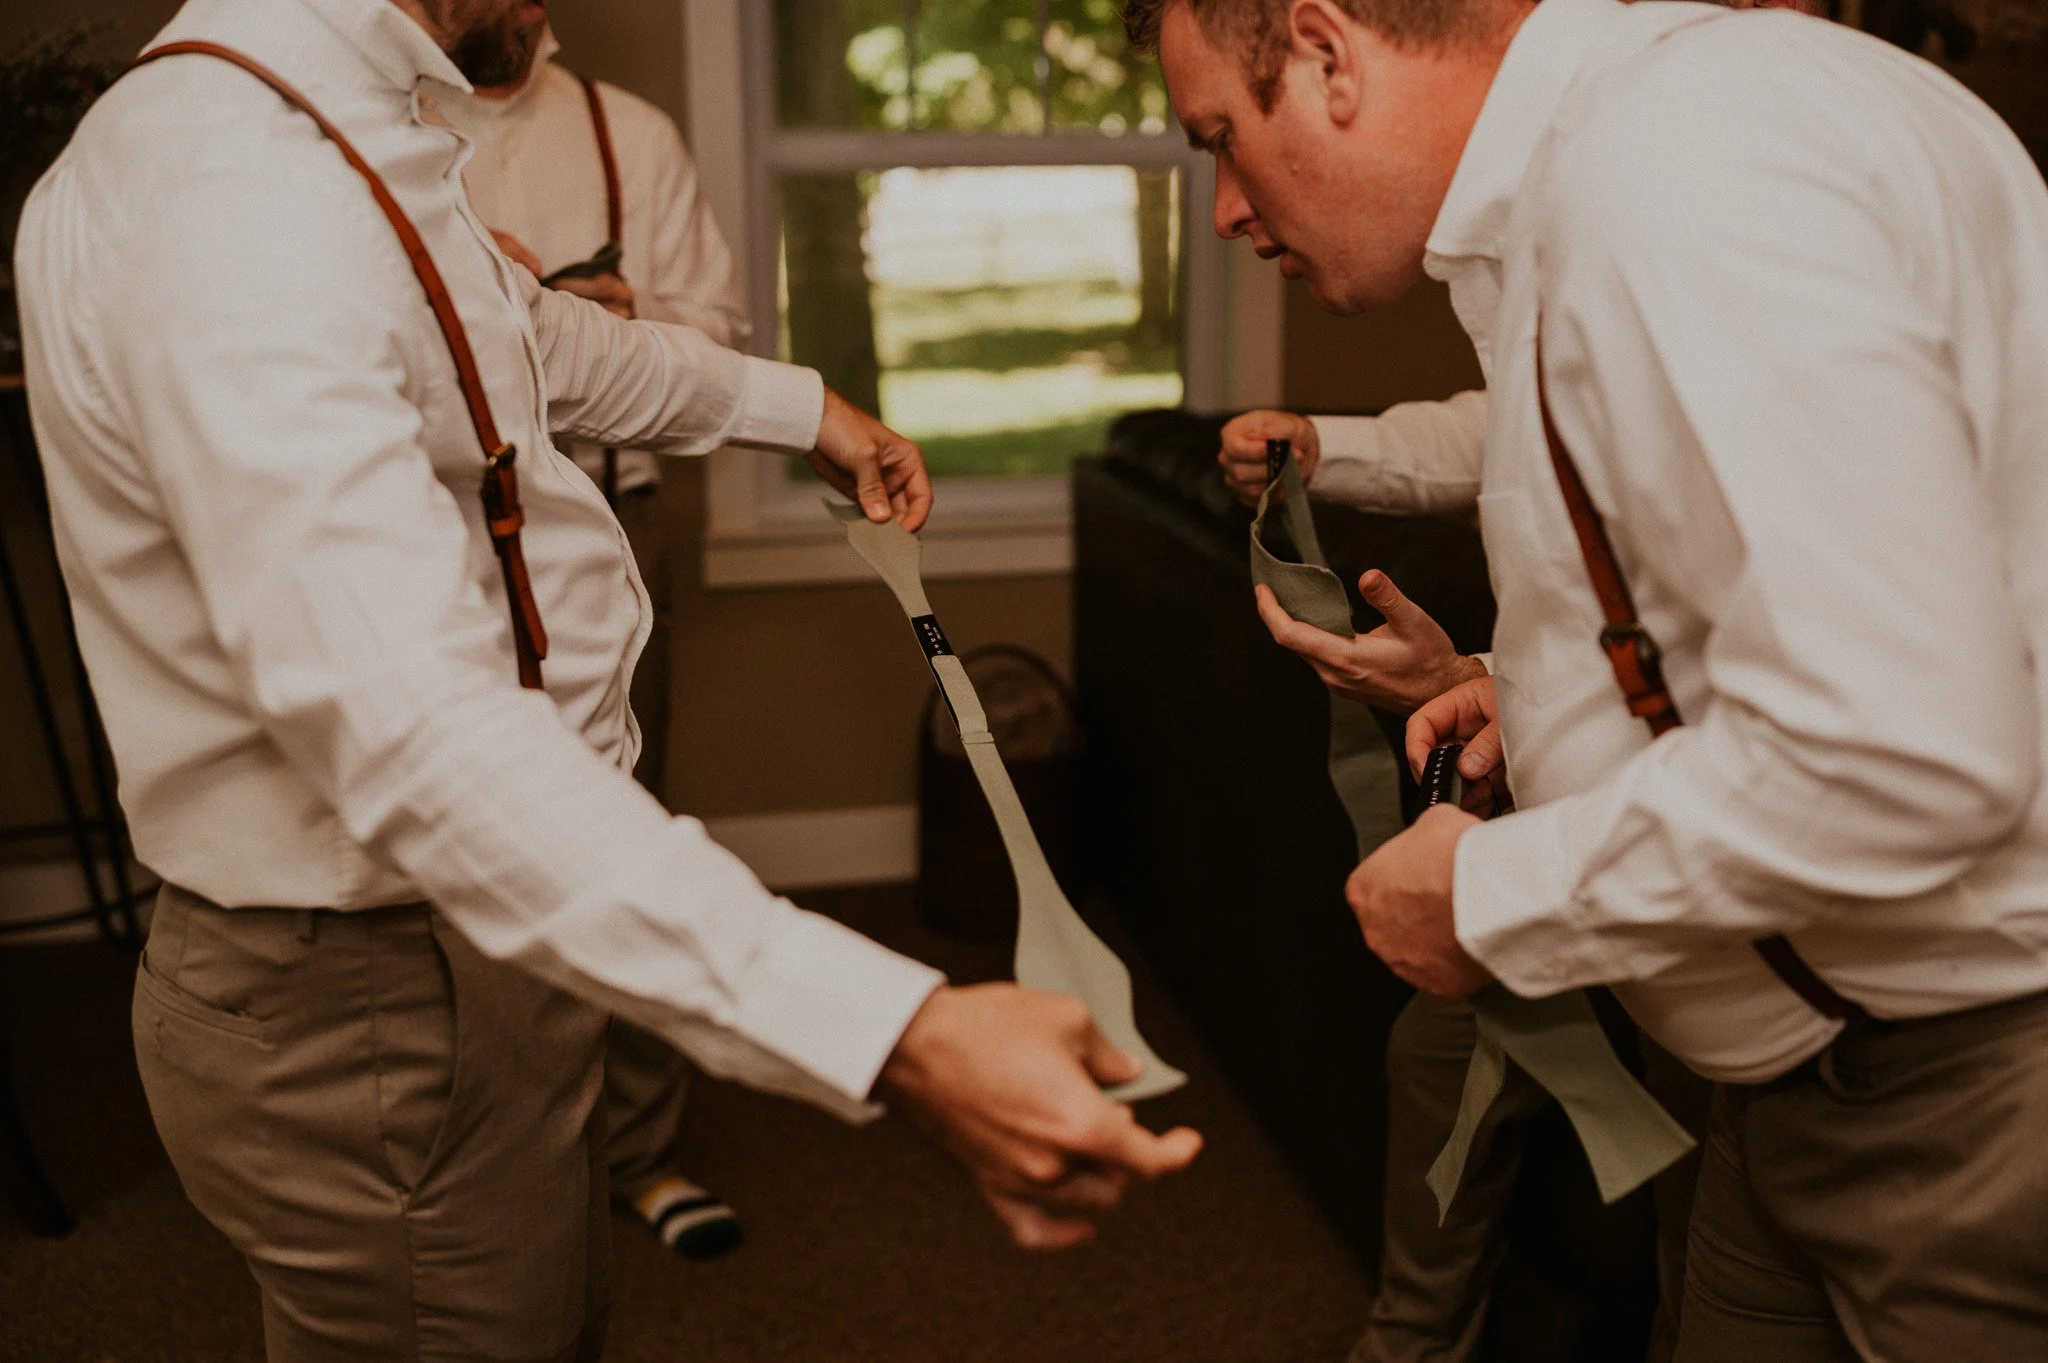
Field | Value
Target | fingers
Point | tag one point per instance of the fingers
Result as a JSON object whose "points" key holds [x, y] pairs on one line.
{"points": [[1319, 646], [1483, 753], [860, 457], [1459, 715], [608, 290], [516, 251], [1032, 1227], [910, 484], [1149, 1155], [1243, 453], [1106, 1064], [1383, 596]]}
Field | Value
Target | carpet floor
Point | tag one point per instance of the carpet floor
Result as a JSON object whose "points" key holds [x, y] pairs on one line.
{"points": [[861, 1244]]}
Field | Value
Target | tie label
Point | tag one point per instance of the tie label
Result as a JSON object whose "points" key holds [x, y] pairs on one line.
{"points": [[930, 636]]}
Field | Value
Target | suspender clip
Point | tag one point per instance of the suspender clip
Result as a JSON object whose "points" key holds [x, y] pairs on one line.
{"points": [[1639, 667]]}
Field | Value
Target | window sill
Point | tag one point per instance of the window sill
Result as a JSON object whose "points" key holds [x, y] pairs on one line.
{"points": [[1011, 549], [982, 528]]}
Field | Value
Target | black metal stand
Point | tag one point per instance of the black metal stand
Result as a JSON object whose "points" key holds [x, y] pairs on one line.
{"points": [[98, 837]]}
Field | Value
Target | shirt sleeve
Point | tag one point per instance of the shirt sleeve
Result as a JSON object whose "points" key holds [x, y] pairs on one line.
{"points": [[270, 337], [1746, 356], [1413, 457], [661, 386], [692, 279]]}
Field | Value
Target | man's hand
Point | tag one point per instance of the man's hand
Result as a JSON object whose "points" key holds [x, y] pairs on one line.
{"points": [[1008, 1080], [1402, 896], [516, 251], [1397, 667], [872, 464], [608, 289], [1244, 450], [1467, 714]]}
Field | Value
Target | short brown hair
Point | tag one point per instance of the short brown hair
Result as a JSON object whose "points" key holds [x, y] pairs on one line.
{"points": [[1258, 28]]}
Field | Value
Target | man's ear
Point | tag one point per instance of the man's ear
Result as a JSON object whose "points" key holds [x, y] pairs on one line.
{"points": [[1322, 44]]}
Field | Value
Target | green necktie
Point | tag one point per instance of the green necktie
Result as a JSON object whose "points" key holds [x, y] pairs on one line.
{"points": [[1056, 951], [1628, 1137]]}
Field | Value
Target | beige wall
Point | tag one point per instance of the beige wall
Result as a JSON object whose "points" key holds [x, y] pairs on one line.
{"points": [[1414, 349]]}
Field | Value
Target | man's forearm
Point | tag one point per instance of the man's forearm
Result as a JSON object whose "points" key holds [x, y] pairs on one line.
{"points": [[1414, 457], [668, 388]]}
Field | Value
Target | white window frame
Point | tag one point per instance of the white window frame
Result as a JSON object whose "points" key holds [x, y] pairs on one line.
{"points": [[763, 530]]}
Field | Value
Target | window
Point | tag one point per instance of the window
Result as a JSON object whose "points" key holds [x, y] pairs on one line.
{"points": [[976, 218]]}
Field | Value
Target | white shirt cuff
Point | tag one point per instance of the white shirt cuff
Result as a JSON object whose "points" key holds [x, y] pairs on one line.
{"points": [[1511, 901], [781, 406], [830, 1001]]}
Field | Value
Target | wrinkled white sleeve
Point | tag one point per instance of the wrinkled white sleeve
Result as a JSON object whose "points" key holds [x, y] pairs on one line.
{"points": [[261, 360], [1749, 366], [1413, 457], [692, 277], [662, 386]]}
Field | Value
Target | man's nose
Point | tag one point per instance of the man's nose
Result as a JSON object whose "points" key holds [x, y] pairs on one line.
{"points": [[1233, 216]]}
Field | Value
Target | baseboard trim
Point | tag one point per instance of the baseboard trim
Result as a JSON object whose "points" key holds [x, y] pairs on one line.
{"points": [[815, 849]]}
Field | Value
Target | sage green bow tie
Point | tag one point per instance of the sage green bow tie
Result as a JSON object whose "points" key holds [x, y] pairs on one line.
{"points": [[1056, 951], [1628, 1137]]}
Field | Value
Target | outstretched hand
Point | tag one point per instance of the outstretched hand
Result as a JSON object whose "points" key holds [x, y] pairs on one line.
{"points": [[865, 460], [1009, 1081], [1405, 662]]}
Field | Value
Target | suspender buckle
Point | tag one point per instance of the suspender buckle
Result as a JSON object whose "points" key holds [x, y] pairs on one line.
{"points": [[1639, 667], [502, 512]]}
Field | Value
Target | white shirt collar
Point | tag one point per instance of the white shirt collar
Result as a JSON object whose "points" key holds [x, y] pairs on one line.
{"points": [[389, 48], [1545, 57], [389, 40]]}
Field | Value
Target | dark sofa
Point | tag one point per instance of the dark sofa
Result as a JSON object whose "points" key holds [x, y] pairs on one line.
{"points": [[1214, 832]]}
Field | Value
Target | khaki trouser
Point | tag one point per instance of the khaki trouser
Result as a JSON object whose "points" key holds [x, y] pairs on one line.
{"points": [[1431, 1305], [401, 1136], [1886, 1201]]}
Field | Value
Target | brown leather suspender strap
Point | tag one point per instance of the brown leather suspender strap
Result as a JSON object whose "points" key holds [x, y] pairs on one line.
{"points": [[614, 203], [502, 513], [615, 225], [1638, 668]]}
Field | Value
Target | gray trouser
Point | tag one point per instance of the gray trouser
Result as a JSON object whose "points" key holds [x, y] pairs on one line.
{"points": [[1434, 1279], [645, 1079], [401, 1136], [1887, 1201]]}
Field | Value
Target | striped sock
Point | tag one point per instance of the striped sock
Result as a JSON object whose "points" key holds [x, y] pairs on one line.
{"points": [[689, 1220]]}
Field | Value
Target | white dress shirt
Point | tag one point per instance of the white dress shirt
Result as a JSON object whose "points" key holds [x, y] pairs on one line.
{"points": [[264, 483], [536, 174], [1794, 290]]}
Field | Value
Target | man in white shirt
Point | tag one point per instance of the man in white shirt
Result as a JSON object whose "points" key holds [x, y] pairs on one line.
{"points": [[404, 891], [1794, 291], [539, 178]]}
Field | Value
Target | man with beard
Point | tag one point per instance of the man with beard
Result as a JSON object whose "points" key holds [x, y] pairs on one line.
{"points": [[407, 871], [1792, 317], [561, 168]]}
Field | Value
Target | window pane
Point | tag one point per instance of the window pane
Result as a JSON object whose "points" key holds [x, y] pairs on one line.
{"points": [[1000, 316], [977, 66], [1096, 82], [841, 64]]}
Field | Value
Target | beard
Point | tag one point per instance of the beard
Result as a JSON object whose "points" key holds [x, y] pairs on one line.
{"points": [[495, 50]]}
